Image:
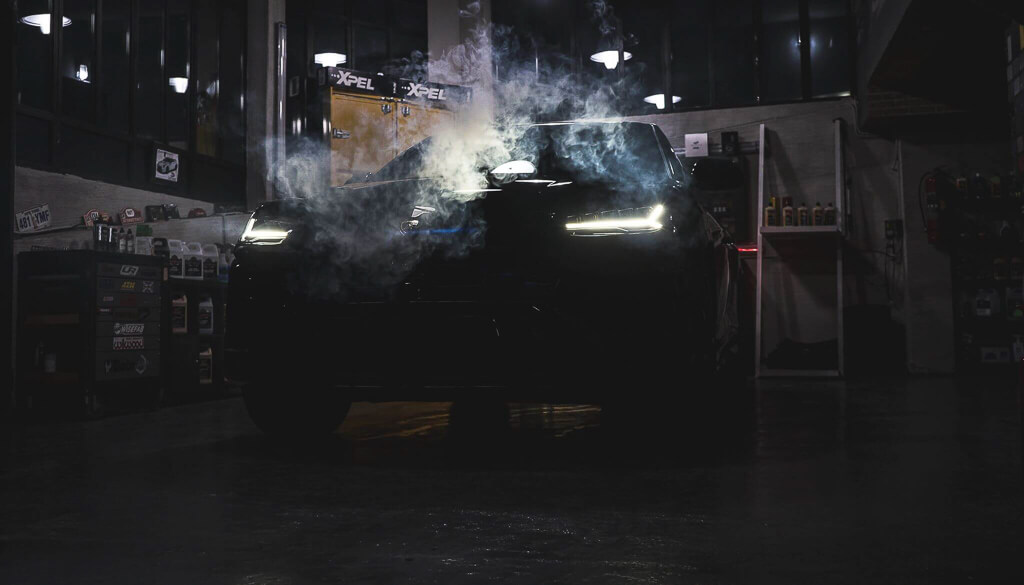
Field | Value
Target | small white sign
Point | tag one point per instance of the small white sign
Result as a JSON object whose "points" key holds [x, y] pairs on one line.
{"points": [[167, 165], [696, 145], [32, 220]]}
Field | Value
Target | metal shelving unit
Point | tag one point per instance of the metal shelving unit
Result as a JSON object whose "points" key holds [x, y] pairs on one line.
{"points": [[819, 237]]}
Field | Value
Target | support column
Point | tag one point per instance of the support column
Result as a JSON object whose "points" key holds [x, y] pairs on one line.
{"points": [[263, 16], [7, 158]]}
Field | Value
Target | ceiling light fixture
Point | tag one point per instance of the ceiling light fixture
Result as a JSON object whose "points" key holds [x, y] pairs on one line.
{"points": [[42, 21], [610, 58], [658, 100], [83, 73], [330, 59], [179, 84]]}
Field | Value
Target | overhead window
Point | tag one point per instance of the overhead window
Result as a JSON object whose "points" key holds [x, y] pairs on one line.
{"points": [[35, 54], [830, 48], [732, 53], [78, 60], [114, 81], [149, 72], [177, 70]]}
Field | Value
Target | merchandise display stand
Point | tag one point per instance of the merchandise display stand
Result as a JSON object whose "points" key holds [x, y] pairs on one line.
{"points": [[792, 243]]}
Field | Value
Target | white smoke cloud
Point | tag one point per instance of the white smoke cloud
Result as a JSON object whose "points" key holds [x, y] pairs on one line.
{"points": [[358, 231]]}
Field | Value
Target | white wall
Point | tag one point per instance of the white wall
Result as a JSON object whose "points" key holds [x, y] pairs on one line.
{"points": [[800, 297], [69, 197]]}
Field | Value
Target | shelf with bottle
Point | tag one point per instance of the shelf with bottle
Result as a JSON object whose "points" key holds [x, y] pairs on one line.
{"points": [[777, 218]]}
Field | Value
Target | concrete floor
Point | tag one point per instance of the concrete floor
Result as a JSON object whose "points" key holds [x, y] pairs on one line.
{"points": [[810, 482]]}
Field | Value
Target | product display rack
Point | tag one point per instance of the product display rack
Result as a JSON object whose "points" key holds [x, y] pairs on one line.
{"points": [[91, 327], [183, 360], [779, 243]]}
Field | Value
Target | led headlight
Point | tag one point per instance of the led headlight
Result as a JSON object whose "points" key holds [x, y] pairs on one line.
{"points": [[265, 231], [637, 220]]}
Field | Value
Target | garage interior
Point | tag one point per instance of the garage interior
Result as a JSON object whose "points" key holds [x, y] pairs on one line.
{"points": [[842, 400]]}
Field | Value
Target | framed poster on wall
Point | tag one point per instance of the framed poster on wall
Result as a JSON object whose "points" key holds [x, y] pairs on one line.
{"points": [[167, 165]]}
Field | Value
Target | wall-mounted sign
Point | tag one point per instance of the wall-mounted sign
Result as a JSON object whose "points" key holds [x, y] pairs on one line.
{"points": [[696, 145], [130, 215], [32, 220], [167, 165]]}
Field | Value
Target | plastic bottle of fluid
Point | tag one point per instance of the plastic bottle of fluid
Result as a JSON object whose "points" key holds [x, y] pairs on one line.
{"points": [[211, 257], [176, 259], [179, 314], [205, 316], [817, 214], [193, 260], [830, 214], [223, 265], [205, 365], [802, 215], [788, 216]]}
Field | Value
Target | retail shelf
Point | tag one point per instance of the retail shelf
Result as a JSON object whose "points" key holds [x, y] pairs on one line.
{"points": [[798, 231], [46, 320]]}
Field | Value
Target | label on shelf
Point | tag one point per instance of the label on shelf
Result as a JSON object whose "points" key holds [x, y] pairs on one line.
{"points": [[127, 343]]}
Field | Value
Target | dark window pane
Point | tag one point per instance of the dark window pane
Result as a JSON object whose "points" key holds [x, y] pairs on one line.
{"points": [[115, 83], [642, 28], [33, 136], [34, 56], [691, 25], [370, 12], [408, 56], [780, 51], [177, 67], [149, 74], [733, 53], [232, 82], [91, 155], [77, 70], [830, 47], [208, 78], [411, 16], [370, 48], [329, 35]]}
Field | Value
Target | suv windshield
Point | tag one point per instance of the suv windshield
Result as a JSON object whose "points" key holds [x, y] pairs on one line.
{"points": [[581, 152], [591, 153]]}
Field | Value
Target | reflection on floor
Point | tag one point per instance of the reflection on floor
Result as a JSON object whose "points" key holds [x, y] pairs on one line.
{"points": [[890, 481]]}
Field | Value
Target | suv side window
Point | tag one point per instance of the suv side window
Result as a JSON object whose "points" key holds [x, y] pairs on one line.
{"points": [[673, 160]]}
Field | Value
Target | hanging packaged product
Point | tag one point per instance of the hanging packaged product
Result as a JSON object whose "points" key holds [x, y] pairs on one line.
{"points": [[1016, 268], [223, 264], [1000, 268], [1015, 304], [986, 303], [211, 257], [144, 245], [179, 314], [205, 365], [192, 258], [175, 258], [205, 316]]}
